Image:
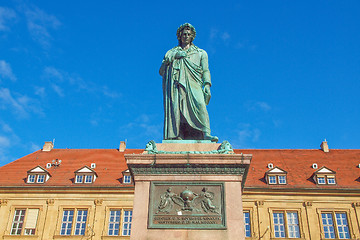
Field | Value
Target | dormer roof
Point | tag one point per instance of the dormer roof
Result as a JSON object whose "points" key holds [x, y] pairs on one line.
{"points": [[324, 170], [38, 169], [85, 169], [276, 170]]}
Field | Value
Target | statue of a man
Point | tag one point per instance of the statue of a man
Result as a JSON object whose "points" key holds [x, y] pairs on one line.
{"points": [[186, 87]]}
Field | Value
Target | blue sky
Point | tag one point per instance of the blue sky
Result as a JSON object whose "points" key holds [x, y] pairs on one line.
{"points": [[285, 74]]}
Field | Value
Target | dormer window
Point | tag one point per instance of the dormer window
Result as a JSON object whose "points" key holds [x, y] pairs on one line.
{"points": [[126, 177], [85, 175], [37, 175], [325, 176], [276, 176]]}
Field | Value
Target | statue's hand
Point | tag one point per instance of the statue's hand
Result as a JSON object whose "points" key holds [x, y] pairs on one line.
{"points": [[180, 54], [207, 89], [207, 94]]}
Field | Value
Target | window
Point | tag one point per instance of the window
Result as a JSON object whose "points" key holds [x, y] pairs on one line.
{"points": [[85, 175], [335, 229], [321, 180], [37, 175], [276, 175], [324, 176], [40, 179], [88, 179], [126, 226], [282, 179], [286, 224], [68, 221], [325, 179], [36, 178], [24, 222], [31, 178], [115, 223], [247, 225], [277, 179], [84, 178], [331, 180], [127, 179], [272, 179]]}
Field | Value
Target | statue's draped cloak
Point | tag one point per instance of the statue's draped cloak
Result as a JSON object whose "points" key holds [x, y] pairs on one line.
{"points": [[183, 82]]}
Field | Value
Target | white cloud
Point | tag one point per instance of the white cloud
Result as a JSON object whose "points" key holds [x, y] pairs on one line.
{"points": [[144, 125], [52, 72], [257, 105], [5, 127], [59, 78], [34, 147], [4, 142], [6, 71], [8, 139], [21, 105], [40, 91], [246, 135], [107, 92], [58, 90], [39, 24], [6, 14], [225, 36]]}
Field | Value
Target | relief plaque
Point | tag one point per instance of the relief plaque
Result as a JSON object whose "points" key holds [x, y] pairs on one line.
{"points": [[187, 205]]}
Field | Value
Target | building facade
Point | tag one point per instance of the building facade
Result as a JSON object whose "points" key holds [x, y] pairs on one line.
{"points": [[88, 194]]}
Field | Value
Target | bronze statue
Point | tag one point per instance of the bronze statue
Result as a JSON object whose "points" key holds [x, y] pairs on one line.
{"points": [[186, 87]]}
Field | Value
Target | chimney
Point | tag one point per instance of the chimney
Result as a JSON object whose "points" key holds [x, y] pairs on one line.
{"points": [[122, 146], [48, 146], [324, 146]]}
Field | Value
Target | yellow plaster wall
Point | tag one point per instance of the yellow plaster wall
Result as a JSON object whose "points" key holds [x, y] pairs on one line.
{"points": [[51, 204], [309, 207]]}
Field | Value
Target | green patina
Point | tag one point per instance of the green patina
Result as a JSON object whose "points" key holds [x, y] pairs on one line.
{"points": [[225, 148], [177, 169], [185, 205], [186, 89]]}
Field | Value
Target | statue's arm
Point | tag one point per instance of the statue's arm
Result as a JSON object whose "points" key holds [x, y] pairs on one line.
{"points": [[163, 67], [205, 67]]}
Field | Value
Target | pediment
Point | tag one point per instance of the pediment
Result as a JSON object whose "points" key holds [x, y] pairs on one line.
{"points": [[325, 170], [276, 170]]}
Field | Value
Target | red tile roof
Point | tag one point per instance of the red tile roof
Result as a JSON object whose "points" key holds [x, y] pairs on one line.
{"points": [[109, 166], [110, 163], [298, 165]]}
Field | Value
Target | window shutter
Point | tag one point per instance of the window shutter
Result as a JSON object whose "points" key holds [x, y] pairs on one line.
{"points": [[31, 218]]}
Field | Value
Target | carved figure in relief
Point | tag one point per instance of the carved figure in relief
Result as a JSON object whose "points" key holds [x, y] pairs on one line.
{"points": [[188, 201], [166, 202], [206, 201], [186, 88]]}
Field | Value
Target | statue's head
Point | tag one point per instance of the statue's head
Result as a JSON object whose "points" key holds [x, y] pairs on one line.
{"points": [[151, 146], [185, 26]]}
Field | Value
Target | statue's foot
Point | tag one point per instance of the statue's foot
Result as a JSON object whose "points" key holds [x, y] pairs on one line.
{"points": [[211, 138]]}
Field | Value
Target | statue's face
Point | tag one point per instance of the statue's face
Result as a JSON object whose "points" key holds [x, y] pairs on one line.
{"points": [[186, 36]]}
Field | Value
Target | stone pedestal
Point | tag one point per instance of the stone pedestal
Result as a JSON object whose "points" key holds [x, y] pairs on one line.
{"points": [[188, 191]]}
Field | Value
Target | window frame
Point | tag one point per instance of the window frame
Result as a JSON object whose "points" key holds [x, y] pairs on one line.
{"points": [[125, 179], [326, 178], [286, 223], [249, 224], [74, 220], [277, 179], [334, 222], [23, 232], [36, 178], [120, 229], [83, 178]]}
